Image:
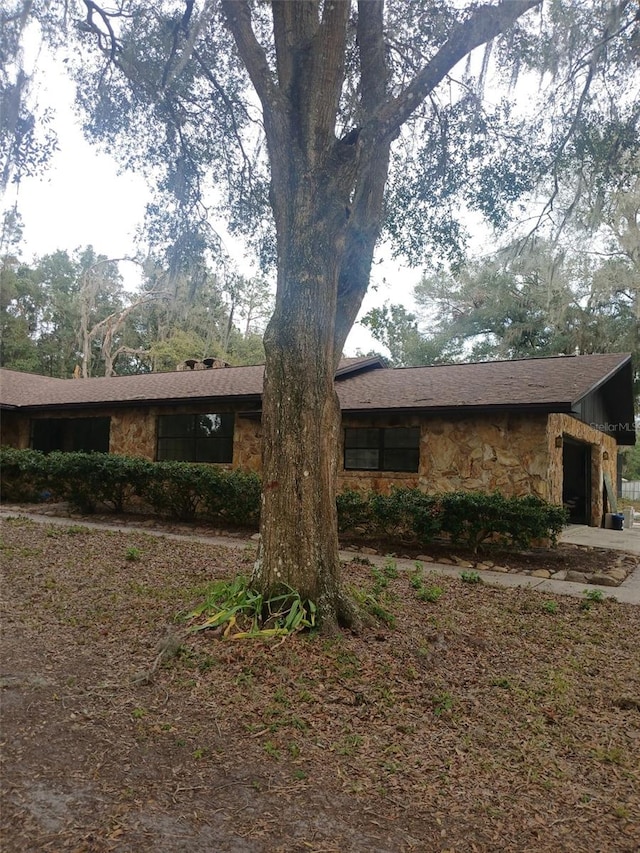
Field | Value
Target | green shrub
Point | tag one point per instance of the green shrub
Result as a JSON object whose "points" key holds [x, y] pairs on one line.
{"points": [[240, 498], [72, 478], [232, 496], [470, 518], [186, 491], [23, 474], [407, 512], [176, 488], [86, 480], [89, 479], [353, 509], [474, 517]]}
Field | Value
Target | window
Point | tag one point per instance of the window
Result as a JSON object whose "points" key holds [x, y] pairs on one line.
{"points": [[382, 449], [195, 438], [71, 434]]}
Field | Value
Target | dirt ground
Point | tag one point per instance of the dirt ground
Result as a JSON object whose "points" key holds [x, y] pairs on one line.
{"points": [[486, 719]]}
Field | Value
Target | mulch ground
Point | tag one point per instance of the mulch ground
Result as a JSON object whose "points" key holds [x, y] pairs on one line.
{"points": [[582, 564], [488, 719]]}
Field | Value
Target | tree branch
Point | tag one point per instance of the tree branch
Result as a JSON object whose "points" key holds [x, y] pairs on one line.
{"points": [[371, 50], [485, 23], [192, 34], [294, 26], [107, 41], [329, 63], [238, 17]]}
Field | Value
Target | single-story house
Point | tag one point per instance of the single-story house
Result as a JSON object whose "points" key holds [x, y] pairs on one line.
{"points": [[544, 426]]}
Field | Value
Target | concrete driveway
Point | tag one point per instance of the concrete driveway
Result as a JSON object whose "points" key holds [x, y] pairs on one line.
{"points": [[598, 537]]}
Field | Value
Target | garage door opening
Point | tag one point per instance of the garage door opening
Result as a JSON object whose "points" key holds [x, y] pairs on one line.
{"points": [[576, 480]]}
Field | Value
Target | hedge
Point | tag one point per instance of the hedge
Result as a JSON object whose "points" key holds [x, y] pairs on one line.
{"points": [[188, 491], [88, 480], [469, 518]]}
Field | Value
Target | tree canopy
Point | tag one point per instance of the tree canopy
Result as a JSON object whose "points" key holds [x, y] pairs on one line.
{"points": [[317, 126]]}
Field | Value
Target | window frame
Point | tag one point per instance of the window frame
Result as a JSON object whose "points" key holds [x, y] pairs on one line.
{"points": [[223, 441], [380, 443]]}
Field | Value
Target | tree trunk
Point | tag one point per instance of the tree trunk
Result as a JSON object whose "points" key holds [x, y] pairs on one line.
{"points": [[301, 413], [327, 199]]}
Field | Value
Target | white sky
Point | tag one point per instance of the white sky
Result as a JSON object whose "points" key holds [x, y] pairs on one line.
{"points": [[83, 199]]}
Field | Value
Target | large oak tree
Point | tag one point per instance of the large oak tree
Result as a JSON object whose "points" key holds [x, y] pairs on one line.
{"points": [[341, 92]]}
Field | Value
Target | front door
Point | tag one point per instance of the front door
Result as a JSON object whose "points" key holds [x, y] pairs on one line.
{"points": [[576, 480]]}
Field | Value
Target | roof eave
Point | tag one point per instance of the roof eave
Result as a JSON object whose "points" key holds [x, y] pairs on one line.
{"points": [[146, 402], [478, 408]]}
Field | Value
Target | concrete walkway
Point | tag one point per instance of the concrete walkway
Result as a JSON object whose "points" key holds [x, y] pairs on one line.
{"points": [[628, 592]]}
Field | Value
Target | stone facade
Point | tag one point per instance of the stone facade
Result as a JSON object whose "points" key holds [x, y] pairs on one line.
{"points": [[517, 454], [483, 453], [604, 453]]}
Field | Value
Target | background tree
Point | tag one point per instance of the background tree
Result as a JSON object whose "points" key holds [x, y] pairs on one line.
{"points": [[70, 315], [20, 301], [522, 302], [41, 310]]}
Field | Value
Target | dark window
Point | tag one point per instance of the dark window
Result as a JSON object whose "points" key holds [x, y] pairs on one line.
{"points": [[71, 434], [382, 449], [195, 438]]}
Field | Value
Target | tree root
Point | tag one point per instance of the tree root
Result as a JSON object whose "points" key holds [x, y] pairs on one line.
{"points": [[339, 612]]}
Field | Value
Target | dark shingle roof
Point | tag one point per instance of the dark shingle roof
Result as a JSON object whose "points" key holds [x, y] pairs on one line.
{"points": [[20, 389], [554, 383], [545, 382], [26, 389]]}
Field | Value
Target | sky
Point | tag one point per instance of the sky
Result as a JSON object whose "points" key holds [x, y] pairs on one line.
{"points": [[83, 198]]}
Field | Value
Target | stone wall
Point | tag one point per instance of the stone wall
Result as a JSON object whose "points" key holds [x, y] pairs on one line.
{"points": [[602, 445], [247, 444], [482, 453], [486, 453]]}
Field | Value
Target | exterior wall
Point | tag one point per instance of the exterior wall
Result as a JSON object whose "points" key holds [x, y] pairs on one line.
{"points": [[485, 453], [14, 430], [247, 445], [133, 431], [514, 454], [506, 452], [566, 426]]}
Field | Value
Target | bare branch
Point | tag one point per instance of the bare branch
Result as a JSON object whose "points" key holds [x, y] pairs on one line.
{"points": [[107, 41]]}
